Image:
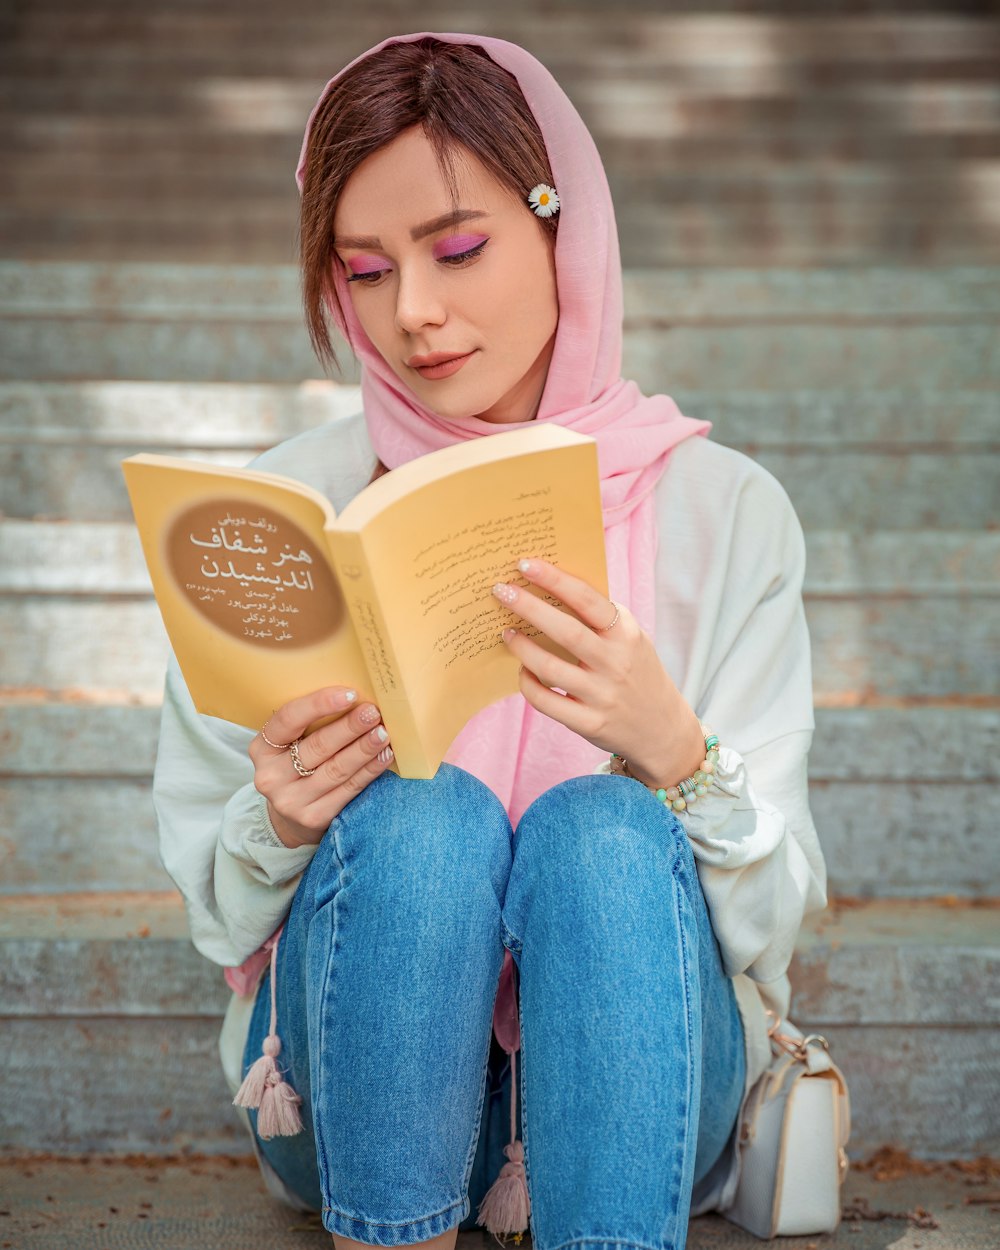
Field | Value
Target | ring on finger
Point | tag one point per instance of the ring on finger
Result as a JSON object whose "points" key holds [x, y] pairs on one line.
{"points": [[278, 746], [603, 629], [300, 768]]}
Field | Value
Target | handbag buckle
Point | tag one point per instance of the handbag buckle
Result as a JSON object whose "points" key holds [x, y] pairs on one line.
{"points": [[794, 1046]]}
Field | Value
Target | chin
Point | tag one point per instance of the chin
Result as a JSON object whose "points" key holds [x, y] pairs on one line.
{"points": [[459, 407]]}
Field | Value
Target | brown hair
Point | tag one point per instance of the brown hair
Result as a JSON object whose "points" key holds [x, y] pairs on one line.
{"points": [[461, 98]]}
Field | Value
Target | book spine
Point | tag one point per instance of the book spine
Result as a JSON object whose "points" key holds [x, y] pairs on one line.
{"points": [[375, 639]]}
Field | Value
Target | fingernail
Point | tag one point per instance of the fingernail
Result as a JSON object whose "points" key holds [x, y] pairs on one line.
{"points": [[369, 715], [526, 566], [385, 755], [505, 593], [350, 695], [508, 634], [378, 735]]}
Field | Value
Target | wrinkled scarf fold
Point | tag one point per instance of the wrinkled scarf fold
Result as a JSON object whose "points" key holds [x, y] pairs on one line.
{"points": [[517, 751]]}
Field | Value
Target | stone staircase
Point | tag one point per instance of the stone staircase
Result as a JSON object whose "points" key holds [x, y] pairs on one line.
{"points": [[149, 301], [111, 1017], [734, 132]]}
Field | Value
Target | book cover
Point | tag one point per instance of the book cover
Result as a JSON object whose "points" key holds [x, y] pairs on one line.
{"points": [[267, 594]]}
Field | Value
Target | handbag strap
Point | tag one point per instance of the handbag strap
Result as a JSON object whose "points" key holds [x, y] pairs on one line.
{"points": [[792, 1051]]}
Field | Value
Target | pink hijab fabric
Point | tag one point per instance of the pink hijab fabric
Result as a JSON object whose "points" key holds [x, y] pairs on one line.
{"points": [[519, 752]]}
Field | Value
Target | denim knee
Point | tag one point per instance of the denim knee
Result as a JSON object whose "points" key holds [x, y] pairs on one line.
{"points": [[586, 819], [409, 836]]}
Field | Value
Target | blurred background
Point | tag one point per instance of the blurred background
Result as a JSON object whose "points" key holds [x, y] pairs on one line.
{"points": [[808, 200]]}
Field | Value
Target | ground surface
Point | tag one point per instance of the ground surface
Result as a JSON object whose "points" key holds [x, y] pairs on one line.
{"points": [[130, 1203]]}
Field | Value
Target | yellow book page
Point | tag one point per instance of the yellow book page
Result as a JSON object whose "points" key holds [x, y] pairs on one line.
{"points": [[239, 567], [435, 553]]}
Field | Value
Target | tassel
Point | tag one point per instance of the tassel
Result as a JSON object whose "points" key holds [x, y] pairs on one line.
{"points": [[264, 1087], [506, 1207], [254, 1083], [279, 1109]]}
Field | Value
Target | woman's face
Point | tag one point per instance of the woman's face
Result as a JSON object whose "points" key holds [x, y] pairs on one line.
{"points": [[472, 282]]}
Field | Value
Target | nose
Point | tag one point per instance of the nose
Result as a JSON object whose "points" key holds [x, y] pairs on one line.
{"points": [[419, 300]]}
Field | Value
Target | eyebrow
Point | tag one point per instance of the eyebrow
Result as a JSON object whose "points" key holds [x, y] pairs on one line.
{"points": [[454, 218]]}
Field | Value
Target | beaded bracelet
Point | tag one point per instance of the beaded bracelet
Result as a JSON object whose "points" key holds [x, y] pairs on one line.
{"points": [[687, 792]]}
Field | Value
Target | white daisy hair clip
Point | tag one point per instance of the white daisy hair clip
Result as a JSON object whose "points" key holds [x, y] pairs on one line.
{"points": [[543, 200]]}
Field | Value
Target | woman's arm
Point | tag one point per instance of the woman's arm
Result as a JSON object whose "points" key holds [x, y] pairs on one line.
{"points": [[216, 840]]}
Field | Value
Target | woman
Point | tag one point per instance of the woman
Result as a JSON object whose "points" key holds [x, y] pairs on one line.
{"points": [[457, 226]]}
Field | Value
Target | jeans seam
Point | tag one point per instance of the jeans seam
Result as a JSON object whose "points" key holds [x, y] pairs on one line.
{"points": [[685, 967], [478, 1122], [516, 941], [419, 1219], [523, 1081], [318, 1135]]}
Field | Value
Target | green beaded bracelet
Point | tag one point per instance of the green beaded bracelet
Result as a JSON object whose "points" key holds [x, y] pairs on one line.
{"points": [[687, 792]]}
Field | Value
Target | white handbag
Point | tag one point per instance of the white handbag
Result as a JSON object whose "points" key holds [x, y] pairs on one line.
{"points": [[792, 1140]]}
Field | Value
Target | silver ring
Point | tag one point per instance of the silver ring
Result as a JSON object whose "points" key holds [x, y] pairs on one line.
{"points": [[300, 768], [603, 629]]}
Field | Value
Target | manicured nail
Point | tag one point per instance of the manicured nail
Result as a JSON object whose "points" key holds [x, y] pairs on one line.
{"points": [[508, 634], [369, 715], [385, 755], [505, 593], [350, 695], [527, 566], [378, 735]]}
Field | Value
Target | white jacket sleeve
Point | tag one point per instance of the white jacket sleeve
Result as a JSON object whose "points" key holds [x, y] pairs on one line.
{"points": [[756, 849], [757, 852], [215, 837]]}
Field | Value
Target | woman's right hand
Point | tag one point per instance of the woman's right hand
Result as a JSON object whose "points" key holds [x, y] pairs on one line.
{"points": [[347, 754]]}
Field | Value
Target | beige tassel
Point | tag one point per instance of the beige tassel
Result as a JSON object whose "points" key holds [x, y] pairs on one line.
{"points": [[264, 1087]]}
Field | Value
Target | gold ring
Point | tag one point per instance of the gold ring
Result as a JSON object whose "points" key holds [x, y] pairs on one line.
{"points": [[300, 768], [278, 746], [603, 629]]}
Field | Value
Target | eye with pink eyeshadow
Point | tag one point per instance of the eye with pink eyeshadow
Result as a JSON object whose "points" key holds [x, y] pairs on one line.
{"points": [[459, 246], [455, 252], [362, 265]]}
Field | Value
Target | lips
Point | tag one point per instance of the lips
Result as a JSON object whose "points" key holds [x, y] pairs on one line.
{"points": [[439, 365], [435, 358]]}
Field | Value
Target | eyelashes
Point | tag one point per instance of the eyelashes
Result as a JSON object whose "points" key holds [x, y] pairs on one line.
{"points": [[457, 261]]}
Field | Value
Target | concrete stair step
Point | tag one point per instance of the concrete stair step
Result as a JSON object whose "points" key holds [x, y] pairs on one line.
{"points": [[103, 994], [888, 742], [246, 417], [709, 238], [817, 351], [787, 124], [855, 490], [70, 558], [877, 775], [862, 648], [44, 175], [714, 234], [887, 843], [907, 294], [213, 40], [709, 29], [908, 962]]}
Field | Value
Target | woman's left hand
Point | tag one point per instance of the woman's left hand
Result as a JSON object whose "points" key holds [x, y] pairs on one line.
{"points": [[619, 696]]}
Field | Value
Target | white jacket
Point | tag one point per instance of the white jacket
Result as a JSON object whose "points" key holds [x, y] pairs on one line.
{"points": [[731, 632]]}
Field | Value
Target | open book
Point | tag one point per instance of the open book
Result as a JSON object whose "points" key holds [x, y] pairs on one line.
{"points": [[267, 594]]}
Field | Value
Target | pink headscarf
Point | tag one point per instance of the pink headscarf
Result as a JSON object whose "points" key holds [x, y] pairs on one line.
{"points": [[519, 752]]}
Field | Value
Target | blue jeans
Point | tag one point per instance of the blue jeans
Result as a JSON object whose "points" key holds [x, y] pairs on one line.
{"points": [[631, 1066]]}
